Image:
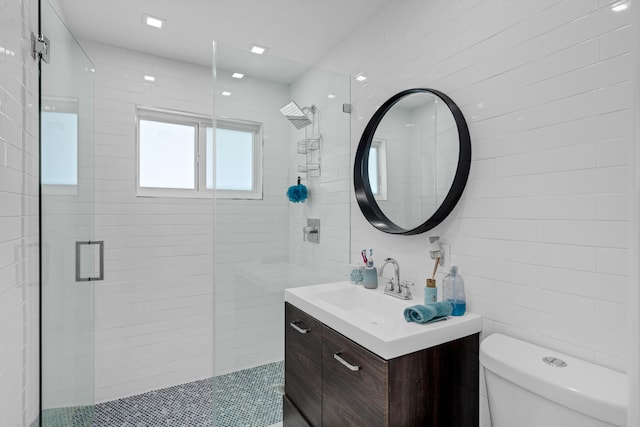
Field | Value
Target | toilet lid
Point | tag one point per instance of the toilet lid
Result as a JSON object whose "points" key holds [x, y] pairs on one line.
{"points": [[582, 386]]}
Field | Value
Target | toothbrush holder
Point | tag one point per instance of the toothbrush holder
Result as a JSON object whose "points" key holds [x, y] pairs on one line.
{"points": [[370, 278]]}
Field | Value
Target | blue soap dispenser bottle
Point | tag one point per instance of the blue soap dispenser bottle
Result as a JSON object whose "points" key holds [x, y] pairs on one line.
{"points": [[453, 292]]}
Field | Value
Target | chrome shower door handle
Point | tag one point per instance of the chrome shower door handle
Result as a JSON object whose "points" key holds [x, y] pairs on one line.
{"points": [[89, 278]]}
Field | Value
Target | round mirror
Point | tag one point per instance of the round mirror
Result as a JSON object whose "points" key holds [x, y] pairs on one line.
{"points": [[412, 162]]}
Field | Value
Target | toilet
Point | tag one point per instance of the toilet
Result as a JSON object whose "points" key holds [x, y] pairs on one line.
{"points": [[531, 386]]}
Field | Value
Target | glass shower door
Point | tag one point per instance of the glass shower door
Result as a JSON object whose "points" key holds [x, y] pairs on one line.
{"points": [[70, 256], [259, 247]]}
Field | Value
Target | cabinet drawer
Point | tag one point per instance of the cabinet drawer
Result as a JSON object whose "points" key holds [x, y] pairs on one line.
{"points": [[355, 383], [303, 363]]}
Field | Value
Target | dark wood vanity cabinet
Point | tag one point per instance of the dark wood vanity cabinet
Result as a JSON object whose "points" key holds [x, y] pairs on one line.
{"points": [[332, 381]]}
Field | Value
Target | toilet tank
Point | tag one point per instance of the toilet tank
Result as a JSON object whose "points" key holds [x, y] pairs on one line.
{"points": [[526, 391]]}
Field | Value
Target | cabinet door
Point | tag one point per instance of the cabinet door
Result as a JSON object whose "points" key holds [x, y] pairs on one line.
{"points": [[303, 363], [354, 383], [291, 417]]}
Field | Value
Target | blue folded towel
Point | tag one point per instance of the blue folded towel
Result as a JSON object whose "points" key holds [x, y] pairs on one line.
{"points": [[427, 313], [420, 313]]}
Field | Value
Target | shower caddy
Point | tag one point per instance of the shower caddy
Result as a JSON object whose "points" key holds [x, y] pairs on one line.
{"points": [[310, 147]]}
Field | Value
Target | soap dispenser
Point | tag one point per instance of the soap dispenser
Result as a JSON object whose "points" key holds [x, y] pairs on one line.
{"points": [[453, 292]]}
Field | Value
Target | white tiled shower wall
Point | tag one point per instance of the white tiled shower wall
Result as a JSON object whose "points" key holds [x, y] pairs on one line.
{"points": [[541, 232], [329, 193], [19, 392]]}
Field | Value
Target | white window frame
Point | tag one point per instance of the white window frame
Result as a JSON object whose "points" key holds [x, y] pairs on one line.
{"points": [[200, 123]]}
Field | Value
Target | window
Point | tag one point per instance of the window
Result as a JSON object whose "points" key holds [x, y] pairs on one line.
{"points": [[59, 155], [378, 169], [167, 153], [176, 157], [238, 160]]}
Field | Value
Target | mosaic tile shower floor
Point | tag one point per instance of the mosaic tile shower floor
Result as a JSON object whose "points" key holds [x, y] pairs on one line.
{"points": [[247, 398]]}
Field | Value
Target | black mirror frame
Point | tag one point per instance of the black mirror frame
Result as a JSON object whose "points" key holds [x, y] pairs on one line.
{"points": [[367, 202]]}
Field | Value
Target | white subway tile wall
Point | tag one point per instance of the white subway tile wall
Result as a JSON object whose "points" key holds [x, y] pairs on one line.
{"points": [[19, 351], [541, 232]]}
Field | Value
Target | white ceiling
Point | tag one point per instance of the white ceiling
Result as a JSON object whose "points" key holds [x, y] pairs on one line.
{"points": [[302, 31]]}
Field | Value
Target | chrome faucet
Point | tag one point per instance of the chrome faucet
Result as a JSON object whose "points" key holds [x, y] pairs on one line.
{"points": [[394, 282], [394, 286]]}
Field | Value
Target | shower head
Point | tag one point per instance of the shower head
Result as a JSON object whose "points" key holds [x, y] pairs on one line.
{"points": [[296, 115]]}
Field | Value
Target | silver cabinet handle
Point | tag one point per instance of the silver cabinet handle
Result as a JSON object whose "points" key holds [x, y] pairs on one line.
{"points": [[345, 363], [295, 326], [100, 275]]}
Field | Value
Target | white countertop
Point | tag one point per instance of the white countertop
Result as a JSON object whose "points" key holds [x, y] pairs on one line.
{"points": [[375, 320]]}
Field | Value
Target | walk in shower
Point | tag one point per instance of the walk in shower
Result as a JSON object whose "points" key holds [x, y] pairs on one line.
{"points": [[165, 309]]}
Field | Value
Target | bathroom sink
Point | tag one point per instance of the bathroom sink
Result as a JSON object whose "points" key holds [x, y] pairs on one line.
{"points": [[376, 321], [362, 304]]}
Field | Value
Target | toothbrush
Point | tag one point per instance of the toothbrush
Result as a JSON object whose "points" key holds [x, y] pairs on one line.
{"points": [[370, 261], [364, 256], [435, 268]]}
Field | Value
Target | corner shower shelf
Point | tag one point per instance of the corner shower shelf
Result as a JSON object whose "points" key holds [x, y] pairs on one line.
{"points": [[309, 144], [311, 169]]}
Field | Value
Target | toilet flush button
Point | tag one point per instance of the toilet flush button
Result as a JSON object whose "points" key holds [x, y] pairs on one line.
{"points": [[554, 361]]}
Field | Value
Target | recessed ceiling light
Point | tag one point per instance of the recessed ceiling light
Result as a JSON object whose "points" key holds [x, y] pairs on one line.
{"points": [[237, 75], [257, 49], [152, 21], [150, 78], [331, 96], [360, 78], [620, 7], [225, 93]]}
